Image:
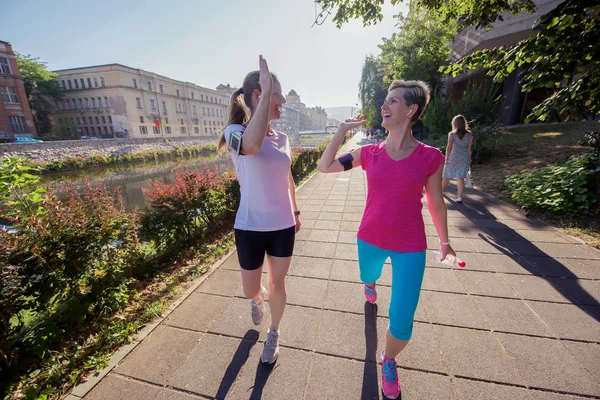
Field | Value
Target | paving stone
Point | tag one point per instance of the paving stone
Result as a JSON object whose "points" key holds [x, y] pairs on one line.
{"points": [[168, 394], [422, 351], [347, 237], [307, 223], [165, 349], [546, 364], [589, 269], [542, 236], [313, 267], [327, 224], [346, 252], [475, 390], [304, 233], [570, 250], [583, 292], [345, 296], [310, 215], [352, 216], [588, 355], [312, 207], [343, 334], [351, 226], [236, 320], [348, 209], [319, 235], [298, 327], [305, 291], [537, 288], [487, 246], [509, 315], [330, 216], [484, 283], [198, 311], [452, 309], [335, 209], [317, 249], [212, 368], [550, 267], [442, 279], [423, 386], [223, 282], [524, 248], [338, 378], [569, 321], [231, 263], [286, 379], [116, 387], [335, 202], [476, 354], [345, 270]]}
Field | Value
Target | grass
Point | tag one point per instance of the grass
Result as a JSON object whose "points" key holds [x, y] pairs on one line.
{"points": [[536, 146]]}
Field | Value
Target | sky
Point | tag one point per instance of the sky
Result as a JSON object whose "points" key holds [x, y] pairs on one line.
{"points": [[200, 41]]}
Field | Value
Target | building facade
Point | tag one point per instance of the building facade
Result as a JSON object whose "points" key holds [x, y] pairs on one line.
{"points": [[15, 114], [318, 116], [289, 123], [118, 101]]}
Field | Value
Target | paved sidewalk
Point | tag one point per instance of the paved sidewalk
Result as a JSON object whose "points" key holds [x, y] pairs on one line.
{"points": [[520, 322]]}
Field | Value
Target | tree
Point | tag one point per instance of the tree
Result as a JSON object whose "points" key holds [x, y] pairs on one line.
{"points": [[561, 54], [41, 88], [372, 90], [306, 122], [419, 49]]}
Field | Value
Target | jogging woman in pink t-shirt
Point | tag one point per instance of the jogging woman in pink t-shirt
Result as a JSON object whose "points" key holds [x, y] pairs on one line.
{"points": [[392, 224]]}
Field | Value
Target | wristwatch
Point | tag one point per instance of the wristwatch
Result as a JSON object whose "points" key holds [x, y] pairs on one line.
{"points": [[297, 213]]}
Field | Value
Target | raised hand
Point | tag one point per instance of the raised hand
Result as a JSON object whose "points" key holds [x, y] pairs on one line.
{"points": [[352, 123], [265, 79]]}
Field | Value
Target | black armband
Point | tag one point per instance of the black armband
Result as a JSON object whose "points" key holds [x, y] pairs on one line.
{"points": [[346, 161]]}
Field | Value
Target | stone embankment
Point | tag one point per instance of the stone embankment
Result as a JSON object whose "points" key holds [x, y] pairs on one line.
{"points": [[48, 152]]}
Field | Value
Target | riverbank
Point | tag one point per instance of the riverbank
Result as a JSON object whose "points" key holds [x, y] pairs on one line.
{"points": [[77, 154]]}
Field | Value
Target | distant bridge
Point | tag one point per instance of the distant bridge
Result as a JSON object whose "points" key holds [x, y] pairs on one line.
{"points": [[314, 137]]}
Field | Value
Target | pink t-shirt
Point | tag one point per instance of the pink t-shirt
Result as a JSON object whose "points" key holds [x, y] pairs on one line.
{"points": [[393, 217]]}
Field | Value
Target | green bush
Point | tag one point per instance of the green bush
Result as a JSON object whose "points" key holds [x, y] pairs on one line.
{"points": [[478, 104], [561, 190], [485, 142], [437, 117]]}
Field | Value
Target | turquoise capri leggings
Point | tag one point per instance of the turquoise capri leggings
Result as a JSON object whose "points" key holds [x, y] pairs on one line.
{"points": [[407, 277]]}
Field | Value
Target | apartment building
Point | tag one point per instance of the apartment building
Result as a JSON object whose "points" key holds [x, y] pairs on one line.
{"points": [[115, 100], [15, 114]]}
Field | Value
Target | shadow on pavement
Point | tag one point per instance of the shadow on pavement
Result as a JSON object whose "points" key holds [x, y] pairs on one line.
{"points": [[370, 385], [239, 359], [534, 260], [263, 371]]}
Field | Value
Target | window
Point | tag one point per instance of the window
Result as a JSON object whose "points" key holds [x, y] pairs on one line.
{"points": [[74, 103], [106, 103], [167, 129], [196, 130], [105, 130], [164, 106], [84, 120], [87, 103], [213, 112], [210, 130], [95, 82], [219, 101], [103, 119], [192, 95], [72, 121], [205, 130], [87, 130], [150, 86], [93, 130], [76, 83], [9, 95], [101, 81], [18, 124], [155, 130], [201, 97], [211, 99], [97, 121], [182, 129], [204, 122], [194, 107], [141, 119], [82, 83], [135, 83], [152, 104], [78, 121], [203, 111], [160, 87], [143, 130], [91, 120], [67, 104], [64, 86], [4, 65], [93, 102], [89, 82], [99, 102], [221, 113], [80, 103], [70, 85], [177, 92], [138, 102], [166, 120], [109, 119]]}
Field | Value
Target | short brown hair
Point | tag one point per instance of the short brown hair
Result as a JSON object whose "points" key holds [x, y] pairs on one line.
{"points": [[416, 92]]}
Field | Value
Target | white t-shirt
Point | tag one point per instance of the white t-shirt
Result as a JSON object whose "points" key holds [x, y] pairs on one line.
{"points": [[266, 203]]}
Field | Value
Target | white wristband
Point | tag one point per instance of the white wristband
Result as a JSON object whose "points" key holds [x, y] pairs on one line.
{"points": [[445, 243]]}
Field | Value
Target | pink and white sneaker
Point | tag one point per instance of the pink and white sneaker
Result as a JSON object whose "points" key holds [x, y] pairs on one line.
{"points": [[390, 385], [370, 293]]}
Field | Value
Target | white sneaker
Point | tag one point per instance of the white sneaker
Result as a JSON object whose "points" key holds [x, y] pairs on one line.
{"points": [[258, 309], [459, 199], [271, 348]]}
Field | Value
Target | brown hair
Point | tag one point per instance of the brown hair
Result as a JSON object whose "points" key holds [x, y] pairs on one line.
{"points": [[416, 92], [238, 107], [460, 126]]}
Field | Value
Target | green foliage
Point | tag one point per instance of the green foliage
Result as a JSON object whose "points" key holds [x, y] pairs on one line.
{"points": [[561, 55], [558, 189], [438, 117], [16, 178], [418, 49], [478, 104], [372, 91], [485, 143], [41, 86], [592, 140]]}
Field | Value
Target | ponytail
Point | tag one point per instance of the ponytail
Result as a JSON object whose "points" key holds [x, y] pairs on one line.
{"points": [[237, 115]]}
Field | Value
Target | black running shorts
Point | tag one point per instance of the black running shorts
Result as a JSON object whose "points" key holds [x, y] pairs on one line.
{"points": [[252, 246]]}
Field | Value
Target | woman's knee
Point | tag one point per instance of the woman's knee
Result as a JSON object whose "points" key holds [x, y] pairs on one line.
{"points": [[401, 325], [277, 286]]}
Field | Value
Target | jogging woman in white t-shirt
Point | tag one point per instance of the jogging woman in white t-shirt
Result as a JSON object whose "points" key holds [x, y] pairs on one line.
{"points": [[267, 218]]}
